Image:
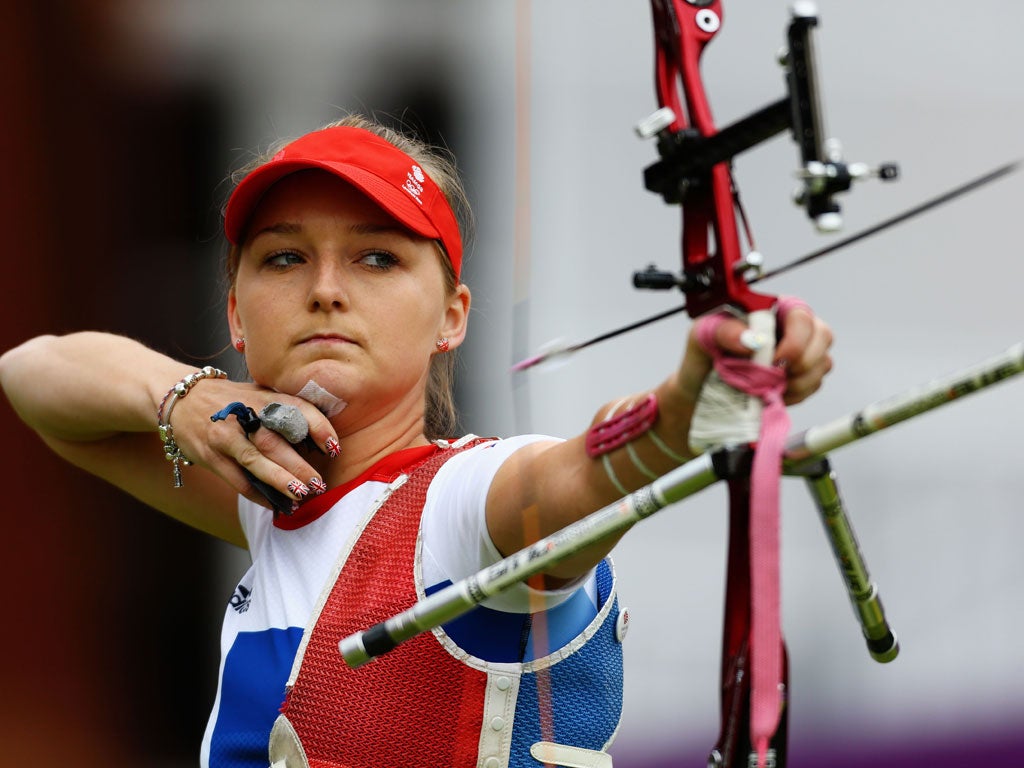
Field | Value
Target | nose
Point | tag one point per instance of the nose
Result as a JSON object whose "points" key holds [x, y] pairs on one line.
{"points": [[328, 289]]}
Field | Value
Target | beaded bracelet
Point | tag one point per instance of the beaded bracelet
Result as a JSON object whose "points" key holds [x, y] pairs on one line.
{"points": [[163, 417]]}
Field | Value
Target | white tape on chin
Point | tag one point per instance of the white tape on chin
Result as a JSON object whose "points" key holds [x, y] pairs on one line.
{"points": [[328, 404]]}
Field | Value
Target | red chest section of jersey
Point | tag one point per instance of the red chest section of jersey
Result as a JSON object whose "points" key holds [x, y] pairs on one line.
{"points": [[414, 706]]}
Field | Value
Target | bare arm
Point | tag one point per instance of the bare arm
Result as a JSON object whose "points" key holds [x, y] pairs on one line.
{"points": [[546, 486], [93, 398]]}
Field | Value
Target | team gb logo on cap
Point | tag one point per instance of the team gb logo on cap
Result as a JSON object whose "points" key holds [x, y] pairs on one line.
{"points": [[414, 183]]}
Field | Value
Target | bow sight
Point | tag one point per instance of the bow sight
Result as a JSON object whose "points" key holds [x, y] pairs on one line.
{"points": [[688, 152]]}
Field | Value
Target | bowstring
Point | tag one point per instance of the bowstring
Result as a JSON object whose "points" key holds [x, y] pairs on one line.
{"points": [[521, 410], [522, 209]]}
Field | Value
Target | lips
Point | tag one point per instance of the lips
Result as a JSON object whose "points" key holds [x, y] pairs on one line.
{"points": [[326, 338]]}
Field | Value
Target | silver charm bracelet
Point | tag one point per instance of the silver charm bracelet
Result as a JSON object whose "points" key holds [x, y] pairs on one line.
{"points": [[163, 416]]}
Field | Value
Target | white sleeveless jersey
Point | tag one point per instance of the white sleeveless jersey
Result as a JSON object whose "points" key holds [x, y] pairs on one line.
{"points": [[294, 556]]}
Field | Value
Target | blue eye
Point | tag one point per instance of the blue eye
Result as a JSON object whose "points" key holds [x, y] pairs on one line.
{"points": [[283, 259], [381, 260]]}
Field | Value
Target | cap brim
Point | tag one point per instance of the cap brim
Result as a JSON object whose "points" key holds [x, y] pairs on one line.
{"points": [[252, 188]]}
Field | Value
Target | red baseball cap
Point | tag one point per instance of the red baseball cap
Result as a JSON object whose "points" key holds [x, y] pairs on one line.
{"points": [[387, 175]]}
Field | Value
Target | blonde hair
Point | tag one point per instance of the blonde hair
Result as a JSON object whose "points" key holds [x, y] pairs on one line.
{"points": [[440, 418]]}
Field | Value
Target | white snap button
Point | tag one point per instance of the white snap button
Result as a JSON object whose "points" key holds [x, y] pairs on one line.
{"points": [[622, 624], [492, 762], [498, 723], [503, 683]]}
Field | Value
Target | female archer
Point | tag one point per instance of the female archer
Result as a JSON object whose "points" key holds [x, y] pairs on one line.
{"points": [[338, 466]]}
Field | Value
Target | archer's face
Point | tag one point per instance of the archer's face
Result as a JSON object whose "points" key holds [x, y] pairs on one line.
{"points": [[331, 289]]}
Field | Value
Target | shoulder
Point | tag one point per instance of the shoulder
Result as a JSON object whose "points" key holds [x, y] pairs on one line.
{"points": [[482, 457], [455, 539]]}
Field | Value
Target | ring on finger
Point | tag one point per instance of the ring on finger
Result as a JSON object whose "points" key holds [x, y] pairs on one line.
{"points": [[246, 416]]}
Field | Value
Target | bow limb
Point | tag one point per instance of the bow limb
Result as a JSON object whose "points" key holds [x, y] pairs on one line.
{"points": [[682, 31], [712, 278]]}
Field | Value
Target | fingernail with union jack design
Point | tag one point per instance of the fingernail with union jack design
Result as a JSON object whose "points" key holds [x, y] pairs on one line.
{"points": [[298, 489], [333, 448], [318, 486]]}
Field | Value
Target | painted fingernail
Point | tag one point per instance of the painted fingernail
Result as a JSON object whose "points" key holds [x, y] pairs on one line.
{"points": [[298, 489], [333, 448], [752, 340], [318, 486]]}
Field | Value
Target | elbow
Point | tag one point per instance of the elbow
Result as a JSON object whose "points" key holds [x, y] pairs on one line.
{"points": [[23, 353], [25, 377], [17, 363]]}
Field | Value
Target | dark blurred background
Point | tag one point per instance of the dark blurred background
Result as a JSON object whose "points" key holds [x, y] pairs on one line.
{"points": [[114, 179], [106, 195]]}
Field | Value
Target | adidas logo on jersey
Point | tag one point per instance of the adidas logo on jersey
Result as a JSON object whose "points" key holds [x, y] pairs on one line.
{"points": [[241, 599]]}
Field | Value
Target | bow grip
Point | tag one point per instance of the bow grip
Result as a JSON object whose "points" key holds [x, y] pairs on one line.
{"points": [[724, 416]]}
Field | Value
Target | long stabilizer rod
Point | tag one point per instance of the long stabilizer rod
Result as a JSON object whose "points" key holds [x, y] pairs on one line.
{"points": [[686, 480]]}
